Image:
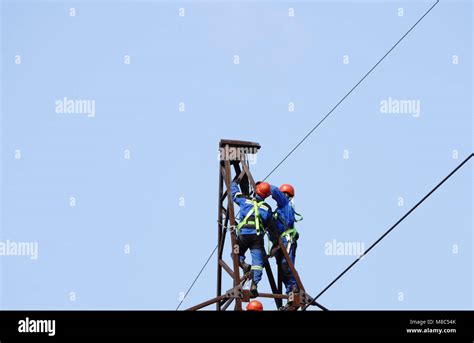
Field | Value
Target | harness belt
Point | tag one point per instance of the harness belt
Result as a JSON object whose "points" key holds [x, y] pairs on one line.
{"points": [[253, 218]]}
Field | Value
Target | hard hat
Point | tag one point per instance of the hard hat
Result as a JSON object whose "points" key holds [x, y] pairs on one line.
{"points": [[287, 188], [254, 305], [263, 189]]}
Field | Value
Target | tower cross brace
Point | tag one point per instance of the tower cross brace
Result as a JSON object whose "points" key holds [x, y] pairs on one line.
{"points": [[234, 166]]}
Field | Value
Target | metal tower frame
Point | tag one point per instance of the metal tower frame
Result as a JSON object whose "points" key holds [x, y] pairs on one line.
{"points": [[234, 165]]}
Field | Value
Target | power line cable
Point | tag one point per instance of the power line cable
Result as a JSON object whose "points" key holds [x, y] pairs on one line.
{"points": [[317, 125], [350, 91], [389, 230]]}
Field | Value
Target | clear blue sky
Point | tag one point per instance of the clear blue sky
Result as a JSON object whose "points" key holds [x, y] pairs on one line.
{"points": [[173, 154]]}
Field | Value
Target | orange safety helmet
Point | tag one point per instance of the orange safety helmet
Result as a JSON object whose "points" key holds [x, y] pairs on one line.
{"points": [[254, 305], [263, 189], [287, 188]]}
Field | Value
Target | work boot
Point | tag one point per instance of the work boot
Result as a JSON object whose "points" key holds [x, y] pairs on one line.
{"points": [[253, 290], [245, 267]]}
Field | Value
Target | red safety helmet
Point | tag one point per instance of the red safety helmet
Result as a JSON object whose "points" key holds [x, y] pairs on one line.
{"points": [[263, 189], [254, 305], [287, 188]]}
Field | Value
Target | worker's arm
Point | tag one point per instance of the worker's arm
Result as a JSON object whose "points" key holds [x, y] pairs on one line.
{"points": [[236, 194], [279, 197]]}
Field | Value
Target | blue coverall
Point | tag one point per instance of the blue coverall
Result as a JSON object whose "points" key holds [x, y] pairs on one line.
{"points": [[248, 235], [286, 214]]}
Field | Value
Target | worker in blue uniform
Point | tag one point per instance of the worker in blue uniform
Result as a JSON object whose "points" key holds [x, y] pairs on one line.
{"points": [[283, 226], [254, 216]]}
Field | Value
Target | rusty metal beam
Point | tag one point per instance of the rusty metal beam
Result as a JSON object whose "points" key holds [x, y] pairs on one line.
{"points": [[249, 175], [206, 303], [243, 181], [319, 305], [273, 295], [227, 303], [291, 265], [238, 144], [234, 247], [279, 282], [222, 241], [271, 281], [226, 268], [220, 233]]}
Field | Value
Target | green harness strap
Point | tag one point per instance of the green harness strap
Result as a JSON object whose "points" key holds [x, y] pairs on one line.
{"points": [[290, 232], [255, 212]]}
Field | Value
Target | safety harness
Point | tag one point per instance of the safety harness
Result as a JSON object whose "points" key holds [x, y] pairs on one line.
{"points": [[253, 218], [290, 233]]}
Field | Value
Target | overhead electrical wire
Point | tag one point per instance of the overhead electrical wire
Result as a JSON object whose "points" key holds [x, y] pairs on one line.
{"points": [[317, 126]]}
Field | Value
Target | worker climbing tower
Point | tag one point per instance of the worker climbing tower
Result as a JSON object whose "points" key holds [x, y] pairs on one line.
{"points": [[234, 166]]}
